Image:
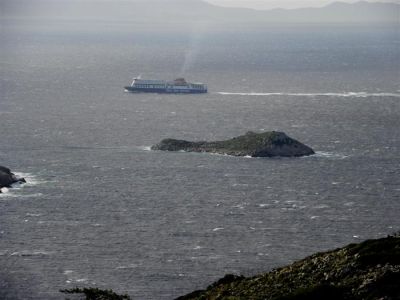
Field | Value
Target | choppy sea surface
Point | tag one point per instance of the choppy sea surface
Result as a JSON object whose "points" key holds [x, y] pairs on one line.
{"points": [[101, 209]]}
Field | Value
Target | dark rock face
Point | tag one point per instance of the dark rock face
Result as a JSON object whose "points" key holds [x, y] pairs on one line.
{"points": [[266, 144], [369, 270], [7, 178]]}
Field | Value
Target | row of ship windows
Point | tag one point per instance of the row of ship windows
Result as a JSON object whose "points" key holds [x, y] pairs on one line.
{"points": [[150, 86], [198, 86]]}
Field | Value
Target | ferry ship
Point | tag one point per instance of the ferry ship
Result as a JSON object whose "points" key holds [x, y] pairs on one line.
{"points": [[178, 86]]}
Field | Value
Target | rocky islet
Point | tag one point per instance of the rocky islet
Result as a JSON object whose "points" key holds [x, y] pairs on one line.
{"points": [[265, 144]]}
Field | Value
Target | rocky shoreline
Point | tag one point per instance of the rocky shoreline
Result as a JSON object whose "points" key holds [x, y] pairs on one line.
{"points": [[265, 144], [7, 178]]}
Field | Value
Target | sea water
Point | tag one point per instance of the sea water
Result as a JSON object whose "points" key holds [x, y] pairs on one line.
{"points": [[100, 209]]}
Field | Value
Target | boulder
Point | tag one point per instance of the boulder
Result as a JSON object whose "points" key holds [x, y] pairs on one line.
{"points": [[7, 178], [265, 144]]}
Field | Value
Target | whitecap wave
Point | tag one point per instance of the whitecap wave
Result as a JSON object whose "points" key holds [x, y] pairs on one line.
{"points": [[346, 94], [32, 253], [218, 229], [33, 215], [31, 180], [10, 194], [145, 148], [3, 191], [321, 206], [131, 266], [72, 276], [330, 155]]}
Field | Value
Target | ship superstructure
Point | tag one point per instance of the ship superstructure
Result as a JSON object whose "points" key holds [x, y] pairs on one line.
{"points": [[178, 86]]}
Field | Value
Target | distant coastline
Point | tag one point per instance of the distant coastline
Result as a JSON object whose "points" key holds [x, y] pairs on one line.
{"points": [[202, 12]]}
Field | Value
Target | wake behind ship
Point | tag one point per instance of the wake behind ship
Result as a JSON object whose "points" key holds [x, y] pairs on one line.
{"points": [[178, 86]]}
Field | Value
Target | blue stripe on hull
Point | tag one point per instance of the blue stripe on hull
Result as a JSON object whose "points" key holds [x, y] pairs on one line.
{"points": [[164, 91]]}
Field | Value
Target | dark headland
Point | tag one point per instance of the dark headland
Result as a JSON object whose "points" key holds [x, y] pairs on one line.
{"points": [[266, 144], [7, 178], [369, 270], [366, 271]]}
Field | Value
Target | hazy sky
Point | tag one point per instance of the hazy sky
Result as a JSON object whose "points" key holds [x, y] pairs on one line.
{"points": [[267, 4]]}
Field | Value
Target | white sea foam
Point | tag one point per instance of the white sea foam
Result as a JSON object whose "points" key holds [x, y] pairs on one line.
{"points": [[131, 266], [321, 206], [31, 253], [9, 194], [3, 191], [72, 276], [64, 223], [239, 206], [218, 229], [31, 180], [145, 148], [345, 94], [32, 215], [330, 155]]}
